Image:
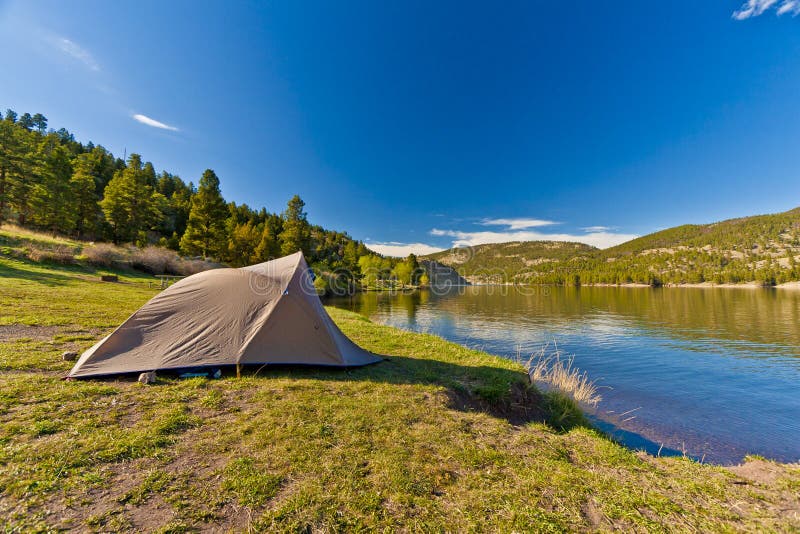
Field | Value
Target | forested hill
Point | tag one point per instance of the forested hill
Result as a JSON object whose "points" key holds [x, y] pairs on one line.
{"points": [[49, 181], [501, 262], [762, 248], [744, 233]]}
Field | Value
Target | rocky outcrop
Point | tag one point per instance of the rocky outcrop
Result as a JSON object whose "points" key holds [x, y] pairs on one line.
{"points": [[442, 276]]}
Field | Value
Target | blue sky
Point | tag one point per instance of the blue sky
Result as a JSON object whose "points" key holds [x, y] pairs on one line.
{"points": [[416, 126]]}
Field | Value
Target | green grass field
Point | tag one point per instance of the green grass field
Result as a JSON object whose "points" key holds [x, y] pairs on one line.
{"points": [[435, 438]]}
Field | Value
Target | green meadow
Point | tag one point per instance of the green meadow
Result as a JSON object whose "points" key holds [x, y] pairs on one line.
{"points": [[437, 437]]}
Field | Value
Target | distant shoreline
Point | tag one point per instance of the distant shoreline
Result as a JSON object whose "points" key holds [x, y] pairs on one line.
{"points": [[791, 286]]}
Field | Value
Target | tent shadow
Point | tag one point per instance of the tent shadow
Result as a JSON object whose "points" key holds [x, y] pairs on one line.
{"points": [[502, 393], [498, 392]]}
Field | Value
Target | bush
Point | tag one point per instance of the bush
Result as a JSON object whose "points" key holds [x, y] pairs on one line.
{"points": [[321, 285], [189, 267], [103, 254], [156, 260], [57, 254]]}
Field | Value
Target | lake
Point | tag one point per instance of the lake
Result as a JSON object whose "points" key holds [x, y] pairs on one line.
{"points": [[714, 373]]}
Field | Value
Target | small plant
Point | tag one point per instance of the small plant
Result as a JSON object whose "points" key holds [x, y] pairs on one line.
{"points": [[563, 412], [252, 485], [550, 367]]}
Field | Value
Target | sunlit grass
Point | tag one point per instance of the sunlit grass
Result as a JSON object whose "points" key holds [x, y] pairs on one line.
{"points": [[18, 233], [437, 437]]}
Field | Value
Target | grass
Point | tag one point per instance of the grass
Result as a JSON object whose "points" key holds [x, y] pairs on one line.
{"points": [[13, 233], [551, 368], [437, 437]]}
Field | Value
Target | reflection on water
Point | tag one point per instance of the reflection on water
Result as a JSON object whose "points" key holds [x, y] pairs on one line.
{"points": [[714, 372]]}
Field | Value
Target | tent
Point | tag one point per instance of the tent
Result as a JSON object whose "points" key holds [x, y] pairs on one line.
{"points": [[262, 314]]}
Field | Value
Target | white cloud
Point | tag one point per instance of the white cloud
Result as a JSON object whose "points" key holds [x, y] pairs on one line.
{"points": [[789, 6], [593, 229], [599, 239], [144, 119], [754, 8], [517, 224], [401, 250], [75, 51]]}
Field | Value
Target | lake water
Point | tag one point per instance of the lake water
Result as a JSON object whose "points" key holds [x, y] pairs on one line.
{"points": [[712, 372]]}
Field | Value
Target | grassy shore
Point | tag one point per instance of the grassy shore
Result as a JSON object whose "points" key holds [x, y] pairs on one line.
{"points": [[436, 438]]}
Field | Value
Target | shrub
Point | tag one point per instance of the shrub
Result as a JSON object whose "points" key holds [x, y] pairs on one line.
{"points": [[189, 267], [321, 284], [103, 254], [58, 254], [156, 260]]}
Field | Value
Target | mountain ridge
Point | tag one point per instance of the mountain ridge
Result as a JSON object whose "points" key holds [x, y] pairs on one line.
{"points": [[759, 248]]}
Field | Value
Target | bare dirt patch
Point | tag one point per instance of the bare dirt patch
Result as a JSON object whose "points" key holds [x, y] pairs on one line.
{"points": [[759, 471], [591, 514], [524, 405], [12, 332], [768, 476]]}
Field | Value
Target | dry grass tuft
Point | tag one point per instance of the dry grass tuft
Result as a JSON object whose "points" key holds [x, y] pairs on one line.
{"points": [[193, 266], [156, 260], [104, 254], [550, 367], [159, 260], [57, 254]]}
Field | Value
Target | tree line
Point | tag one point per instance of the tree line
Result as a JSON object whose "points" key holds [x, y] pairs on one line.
{"points": [[50, 181], [686, 265], [762, 248]]}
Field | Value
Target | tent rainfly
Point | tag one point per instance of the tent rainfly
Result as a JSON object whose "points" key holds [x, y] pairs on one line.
{"points": [[262, 314]]}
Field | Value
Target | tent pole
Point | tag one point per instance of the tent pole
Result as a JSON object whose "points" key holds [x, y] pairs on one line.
{"points": [[238, 370]]}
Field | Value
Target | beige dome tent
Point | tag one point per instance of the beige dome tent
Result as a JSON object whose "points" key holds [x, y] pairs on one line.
{"points": [[262, 314]]}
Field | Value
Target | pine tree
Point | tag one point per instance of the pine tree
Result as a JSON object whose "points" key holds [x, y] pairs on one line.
{"points": [[10, 162], [269, 247], [51, 196], [244, 241], [40, 122], [296, 230], [205, 231], [84, 192], [26, 121], [130, 205], [23, 177]]}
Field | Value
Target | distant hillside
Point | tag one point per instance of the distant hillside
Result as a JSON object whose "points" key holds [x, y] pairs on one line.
{"points": [[502, 262], [762, 248], [442, 276], [765, 231]]}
